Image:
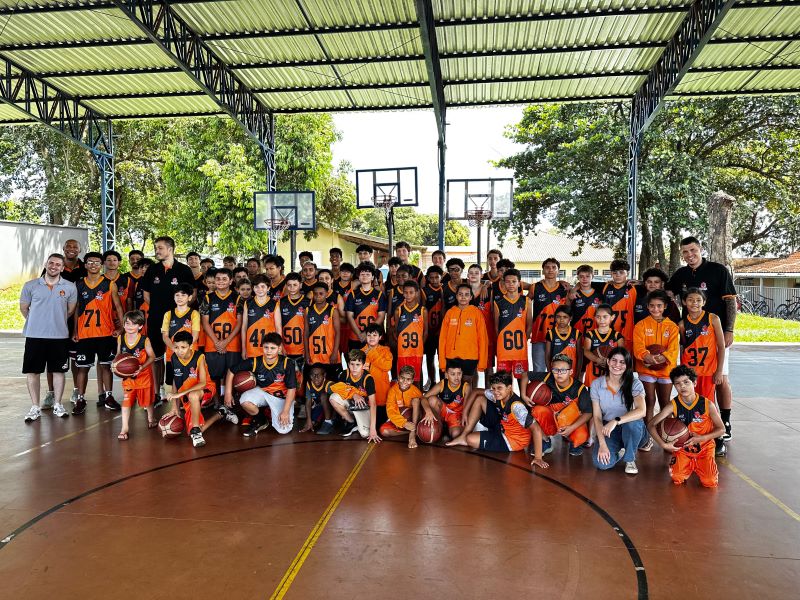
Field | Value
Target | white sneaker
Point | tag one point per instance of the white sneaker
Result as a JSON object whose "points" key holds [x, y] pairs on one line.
{"points": [[621, 452], [630, 468], [60, 411], [648, 446], [229, 415], [49, 401], [33, 414], [197, 437]]}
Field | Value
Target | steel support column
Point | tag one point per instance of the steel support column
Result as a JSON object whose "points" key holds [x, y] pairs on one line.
{"points": [[108, 208], [442, 194], [682, 50]]}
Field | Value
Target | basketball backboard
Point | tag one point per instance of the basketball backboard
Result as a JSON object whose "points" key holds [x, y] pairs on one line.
{"points": [[400, 183], [296, 207], [465, 195]]}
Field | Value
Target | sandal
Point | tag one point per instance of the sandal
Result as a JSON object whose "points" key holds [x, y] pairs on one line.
{"points": [[152, 424], [122, 437]]}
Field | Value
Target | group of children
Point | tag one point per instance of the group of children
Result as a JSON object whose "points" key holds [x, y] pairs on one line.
{"points": [[292, 330]]}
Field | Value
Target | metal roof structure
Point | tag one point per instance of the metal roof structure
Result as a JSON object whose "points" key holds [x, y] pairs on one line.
{"points": [[77, 65]]}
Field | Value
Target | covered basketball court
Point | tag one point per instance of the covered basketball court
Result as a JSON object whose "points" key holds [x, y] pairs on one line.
{"points": [[82, 515]]}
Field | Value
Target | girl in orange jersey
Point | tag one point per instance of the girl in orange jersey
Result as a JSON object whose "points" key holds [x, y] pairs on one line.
{"points": [[565, 339], [656, 344], [138, 388], [598, 342], [378, 364], [703, 343]]}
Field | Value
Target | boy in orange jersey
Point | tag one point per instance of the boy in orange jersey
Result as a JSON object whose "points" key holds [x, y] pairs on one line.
{"points": [[455, 270], [620, 295], [192, 385], [652, 365], [545, 295], [700, 415], [570, 409], [410, 330], [446, 400], [365, 304], [463, 336], [180, 318], [703, 343], [318, 389], [354, 399], [259, 317], [504, 415], [308, 272], [94, 332], [273, 269], [584, 299], [335, 259], [598, 342], [293, 307], [244, 289], [512, 314], [403, 394], [322, 332], [221, 316], [432, 300], [378, 364], [111, 262], [492, 274], [276, 388], [138, 388], [565, 339]]}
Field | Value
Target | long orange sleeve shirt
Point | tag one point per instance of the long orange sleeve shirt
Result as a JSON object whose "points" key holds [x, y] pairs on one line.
{"points": [[463, 335], [397, 400], [649, 331], [379, 360]]}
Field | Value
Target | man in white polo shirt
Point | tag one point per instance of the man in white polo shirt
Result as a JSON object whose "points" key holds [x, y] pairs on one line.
{"points": [[46, 303]]}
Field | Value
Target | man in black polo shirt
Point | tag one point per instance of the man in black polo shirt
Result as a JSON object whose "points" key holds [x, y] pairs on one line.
{"points": [[159, 284], [716, 281]]}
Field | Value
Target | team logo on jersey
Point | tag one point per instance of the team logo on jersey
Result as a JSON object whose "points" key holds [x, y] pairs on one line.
{"points": [[231, 307], [174, 281], [279, 377], [156, 280], [697, 417], [325, 320], [690, 333], [665, 334], [415, 319], [468, 323], [373, 302], [703, 285], [704, 330], [99, 296], [571, 344]]}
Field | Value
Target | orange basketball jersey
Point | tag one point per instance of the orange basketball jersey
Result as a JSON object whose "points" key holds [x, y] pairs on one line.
{"points": [[700, 344], [293, 317], [222, 313], [569, 343], [174, 321], [260, 322], [621, 300], [95, 312], [321, 333], [410, 330], [512, 343], [137, 350], [611, 339], [545, 301]]}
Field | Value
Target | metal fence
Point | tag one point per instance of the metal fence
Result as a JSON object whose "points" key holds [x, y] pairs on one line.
{"points": [[770, 301]]}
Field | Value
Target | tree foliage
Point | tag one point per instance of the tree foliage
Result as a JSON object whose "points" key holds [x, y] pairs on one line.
{"points": [[573, 172]]}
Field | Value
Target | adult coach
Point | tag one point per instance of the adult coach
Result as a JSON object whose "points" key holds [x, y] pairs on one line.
{"points": [[47, 303], [159, 284], [716, 281]]}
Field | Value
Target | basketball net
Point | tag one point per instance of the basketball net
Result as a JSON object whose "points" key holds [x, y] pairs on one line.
{"points": [[478, 214], [385, 202], [276, 228]]}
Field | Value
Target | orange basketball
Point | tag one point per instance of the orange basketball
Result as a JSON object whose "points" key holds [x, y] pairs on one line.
{"points": [[674, 431], [171, 426], [604, 351], [407, 413], [124, 365], [243, 381], [539, 393], [429, 434], [657, 350]]}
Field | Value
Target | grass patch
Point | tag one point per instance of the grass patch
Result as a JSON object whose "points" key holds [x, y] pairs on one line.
{"points": [[10, 317], [750, 328]]}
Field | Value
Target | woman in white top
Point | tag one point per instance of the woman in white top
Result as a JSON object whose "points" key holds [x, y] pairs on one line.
{"points": [[618, 411]]}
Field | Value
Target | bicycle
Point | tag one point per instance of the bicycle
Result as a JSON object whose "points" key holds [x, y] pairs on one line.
{"points": [[789, 310], [763, 306], [744, 303]]}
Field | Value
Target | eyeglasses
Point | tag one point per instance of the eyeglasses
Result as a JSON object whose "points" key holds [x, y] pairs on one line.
{"points": [[560, 371]]}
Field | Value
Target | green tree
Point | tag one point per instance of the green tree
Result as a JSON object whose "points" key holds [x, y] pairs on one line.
{"points": [[573, 172], [417, 229]]}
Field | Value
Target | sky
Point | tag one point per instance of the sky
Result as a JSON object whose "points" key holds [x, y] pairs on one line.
{"points": [[373, 140]]}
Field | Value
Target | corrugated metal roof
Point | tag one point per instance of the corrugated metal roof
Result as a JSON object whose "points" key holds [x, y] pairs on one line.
{"points": [[351, 54]]}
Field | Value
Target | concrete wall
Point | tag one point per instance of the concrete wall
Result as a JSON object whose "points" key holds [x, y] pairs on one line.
{"points": [[25, 246], [319, 246]]}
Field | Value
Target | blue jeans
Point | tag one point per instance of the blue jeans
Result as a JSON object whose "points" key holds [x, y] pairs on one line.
{"points": [[630, 436], [538, 357]]}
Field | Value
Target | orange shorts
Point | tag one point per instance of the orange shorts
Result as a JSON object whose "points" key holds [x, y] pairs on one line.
{"points": [[208, 394], [450, 417], [517, 368], [546, 418], [705, 387], [142, 396], [389, 427], [414, 362], [683, 464]]}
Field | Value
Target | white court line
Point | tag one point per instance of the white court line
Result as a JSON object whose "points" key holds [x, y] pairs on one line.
{"points": [[63, 437]]}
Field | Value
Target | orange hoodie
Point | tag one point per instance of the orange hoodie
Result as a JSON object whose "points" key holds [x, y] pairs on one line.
{"points": [[463, 335], [649, 331], [397, 401], [379, 360]]}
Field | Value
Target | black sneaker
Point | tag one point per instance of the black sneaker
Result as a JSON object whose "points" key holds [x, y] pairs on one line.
{"points": [[111, 404], [101, 400], [197, 437], [79, 407], [727, 435], [721, 449], [254, 428], [349, 428]]}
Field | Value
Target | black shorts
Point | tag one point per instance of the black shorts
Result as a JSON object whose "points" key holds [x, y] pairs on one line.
{"points": [[156, 341], [102, 348], [380, 416], [45, 354], [220, 364], [355, 345], [468, 366], [432, 344], [492, 440]]}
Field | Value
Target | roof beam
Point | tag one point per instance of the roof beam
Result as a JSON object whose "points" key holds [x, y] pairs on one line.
{"points": [[50, 106], [682, 50], [433, 65], [193, 56]]}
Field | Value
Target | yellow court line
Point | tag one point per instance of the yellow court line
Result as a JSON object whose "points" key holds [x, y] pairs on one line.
{"points": [[760, 489], [308, 545]]}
